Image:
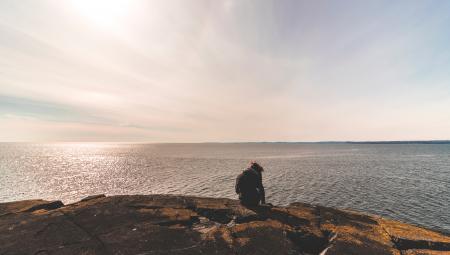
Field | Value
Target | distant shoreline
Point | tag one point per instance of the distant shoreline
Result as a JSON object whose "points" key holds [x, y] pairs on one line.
{"points": [[356, 142], [406, 142]]}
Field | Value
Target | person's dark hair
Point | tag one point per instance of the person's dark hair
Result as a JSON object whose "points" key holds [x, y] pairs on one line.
{"points": [[256, 166]]}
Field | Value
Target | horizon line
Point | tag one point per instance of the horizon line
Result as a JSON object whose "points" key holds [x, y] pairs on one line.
{"points": [[439, 141]]}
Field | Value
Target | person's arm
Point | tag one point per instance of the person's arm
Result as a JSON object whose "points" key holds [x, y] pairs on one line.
{"points": [[236, 186], [260, 187]]}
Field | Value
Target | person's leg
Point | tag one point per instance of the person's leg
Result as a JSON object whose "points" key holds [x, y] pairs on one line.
{"points": [[247, 202], [251, 198]]}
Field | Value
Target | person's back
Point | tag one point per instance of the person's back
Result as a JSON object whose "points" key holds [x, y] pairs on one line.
{"points": [[249, 185]]}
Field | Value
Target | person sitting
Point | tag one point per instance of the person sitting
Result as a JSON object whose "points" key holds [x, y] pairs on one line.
{"points": [[249, 185]]}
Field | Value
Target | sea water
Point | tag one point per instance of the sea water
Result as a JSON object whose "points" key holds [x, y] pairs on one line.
{"points": [[407, 182]]}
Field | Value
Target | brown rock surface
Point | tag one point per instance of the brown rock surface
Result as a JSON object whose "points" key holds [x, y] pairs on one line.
{"points": [[165, 224]]}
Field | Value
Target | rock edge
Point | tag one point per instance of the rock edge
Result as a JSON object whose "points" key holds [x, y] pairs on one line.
{"points": [[169, 224]]}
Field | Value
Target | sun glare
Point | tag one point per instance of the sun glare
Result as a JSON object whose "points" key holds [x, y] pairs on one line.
{"points": [[104, 13]]}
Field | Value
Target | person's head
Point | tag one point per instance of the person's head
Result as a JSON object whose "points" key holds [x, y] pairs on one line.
{"points": [[256, 166]]}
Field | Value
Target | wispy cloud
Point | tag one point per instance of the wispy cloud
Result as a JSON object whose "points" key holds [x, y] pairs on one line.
{"points": [[224, 71]]}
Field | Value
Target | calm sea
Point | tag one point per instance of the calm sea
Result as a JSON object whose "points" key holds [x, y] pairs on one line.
{"points": [[405, 182]]}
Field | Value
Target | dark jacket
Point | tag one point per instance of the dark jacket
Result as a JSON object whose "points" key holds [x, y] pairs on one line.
{"points": [[249, 186]]}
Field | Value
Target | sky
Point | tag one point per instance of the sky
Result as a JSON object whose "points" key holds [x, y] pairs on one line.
{"points": [[224, 71]]}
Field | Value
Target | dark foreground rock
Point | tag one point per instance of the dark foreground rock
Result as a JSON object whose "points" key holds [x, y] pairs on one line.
{"points": [[164, 224]]}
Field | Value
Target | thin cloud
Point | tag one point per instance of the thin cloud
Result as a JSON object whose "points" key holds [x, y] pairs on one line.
{"points": [[224, 71]]}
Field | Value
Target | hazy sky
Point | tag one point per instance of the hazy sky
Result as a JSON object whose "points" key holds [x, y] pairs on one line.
{"points": [[198, 71]]}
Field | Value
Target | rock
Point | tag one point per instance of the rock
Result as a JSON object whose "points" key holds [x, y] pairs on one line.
{"points": [[93, 197], [425, 252], [29, 206], [45, 206], [167, 224], [408, 237]]}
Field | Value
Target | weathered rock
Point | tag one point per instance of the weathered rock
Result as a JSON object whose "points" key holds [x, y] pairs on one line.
{"points": [[407, 237], [92, 197], [425, 252], [165, 224], [28, 206]]}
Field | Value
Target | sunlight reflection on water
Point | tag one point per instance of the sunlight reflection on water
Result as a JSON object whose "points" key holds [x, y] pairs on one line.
{"points": [[405, 182]]}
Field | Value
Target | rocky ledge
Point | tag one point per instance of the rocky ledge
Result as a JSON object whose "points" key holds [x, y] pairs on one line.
{"points": [[164, 224]]}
